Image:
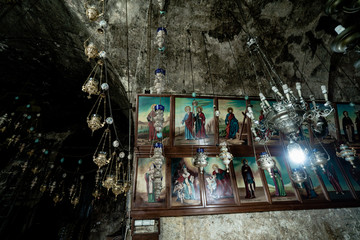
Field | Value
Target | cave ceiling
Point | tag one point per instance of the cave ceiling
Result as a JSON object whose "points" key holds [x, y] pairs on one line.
{"points": [[42, 52]]}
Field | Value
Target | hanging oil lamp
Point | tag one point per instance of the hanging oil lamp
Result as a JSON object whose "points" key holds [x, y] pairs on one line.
{"points": [[318, 159], [91, 85], [57, 198], [159, 117], [225, 156], [91, 50], [74, 201], [101, 159], [348, 154], [109, 182], [52, 187], [160, 38], [43, 188], [94, 119], [158, 160], [92, 12], [161, 4], [266, 162], [33, 183], [159, 80], [71, 190], [200, 160], [298, 176], [102, 156], [117, 189]]}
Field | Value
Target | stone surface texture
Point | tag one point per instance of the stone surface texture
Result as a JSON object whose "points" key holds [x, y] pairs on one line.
{"points": [[304, 224], [205, 51]]}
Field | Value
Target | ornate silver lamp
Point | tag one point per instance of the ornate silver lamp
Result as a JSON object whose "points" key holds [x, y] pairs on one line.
{"points": [[299, 176], [160, 38], [225, 155], [158, 160], [289, 111], [161, 4], [266, 162], [159, 80], [200, 160], [159, 117], [348, 154], [318, 159]]}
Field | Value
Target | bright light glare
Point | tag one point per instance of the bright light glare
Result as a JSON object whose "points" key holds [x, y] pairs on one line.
{"points": [[296, 153]]}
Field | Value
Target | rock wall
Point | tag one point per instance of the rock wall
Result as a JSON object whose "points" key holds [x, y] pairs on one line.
{"points": [[304, 224]]}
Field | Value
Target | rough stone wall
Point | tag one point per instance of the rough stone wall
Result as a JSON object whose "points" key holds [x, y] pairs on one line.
{"points": [[304, 224]]}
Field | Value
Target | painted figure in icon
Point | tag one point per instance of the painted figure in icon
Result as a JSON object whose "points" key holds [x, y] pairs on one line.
{"points": [[348, 127], [248, 179], [278, 182], [200, 121], [355, 173], [309, 187], [151, 121], [149, 178], [357, 123], [333, 178], [211, 184], [187, 182], [179, 190], [232, 124], [189, 123], [223, 185]]}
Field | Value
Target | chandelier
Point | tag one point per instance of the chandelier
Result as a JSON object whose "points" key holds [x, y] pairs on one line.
{"points": [[289, 112], [286, 115]]}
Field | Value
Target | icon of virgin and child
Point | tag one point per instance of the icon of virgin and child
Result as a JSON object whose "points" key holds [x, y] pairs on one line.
{"points": [[192, 121]]}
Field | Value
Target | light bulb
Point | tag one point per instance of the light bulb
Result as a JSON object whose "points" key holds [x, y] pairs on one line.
{"points": [[296, 153]]}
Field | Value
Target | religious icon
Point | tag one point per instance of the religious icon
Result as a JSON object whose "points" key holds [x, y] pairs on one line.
{"points": [[309, 187], [146, 133], [145, 184], [349, 123], [333, 179], [218, 183], [200, 121], [352, 172], [188, 120], [149, 178], [279, 182], [197, 124], [348, 127], [249, 180], [151, 121], [232, 122], [271, 137], [185, 186]]}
